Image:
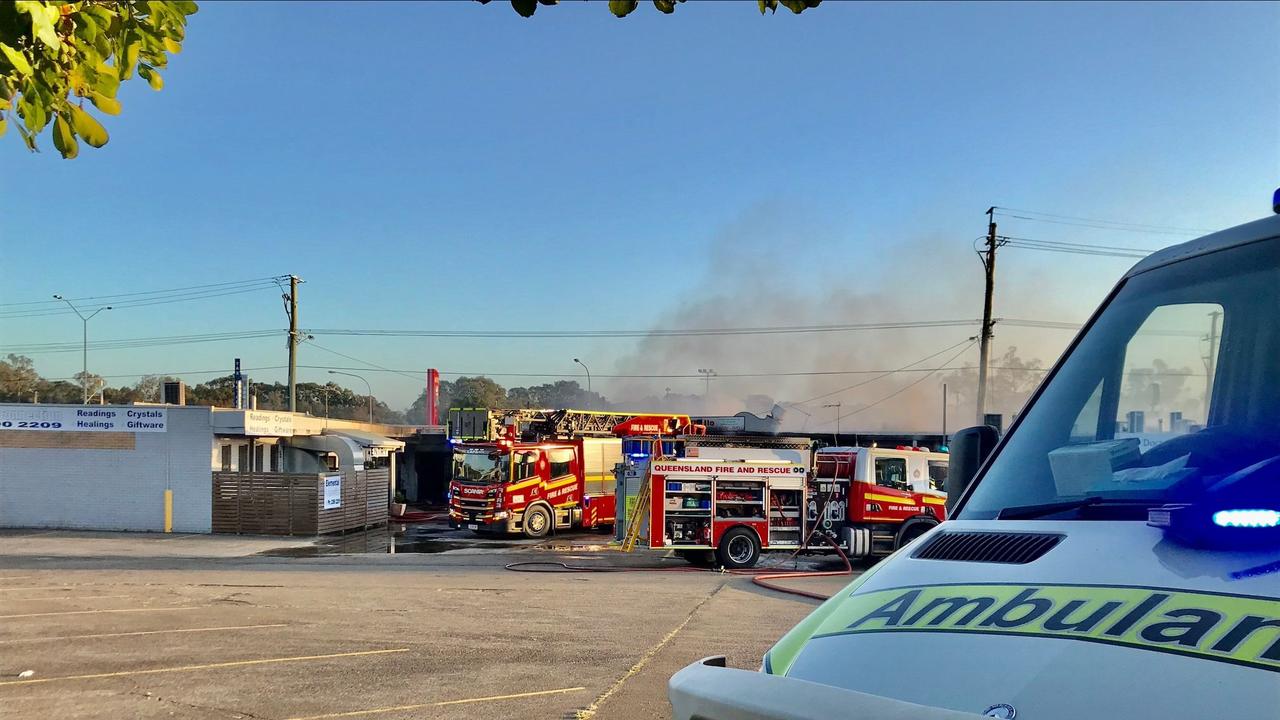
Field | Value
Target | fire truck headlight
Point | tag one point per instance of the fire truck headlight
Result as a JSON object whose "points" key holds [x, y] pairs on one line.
{"points": [[501, 515]]}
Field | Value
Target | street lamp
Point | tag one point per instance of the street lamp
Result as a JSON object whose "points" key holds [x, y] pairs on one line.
{"points": [[584, 367], [84, 374], [837, 407], [708, 374], [367, 386]]}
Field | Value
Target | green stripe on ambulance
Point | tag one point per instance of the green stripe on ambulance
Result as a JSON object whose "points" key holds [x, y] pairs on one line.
{"points": [[1243, 630]]}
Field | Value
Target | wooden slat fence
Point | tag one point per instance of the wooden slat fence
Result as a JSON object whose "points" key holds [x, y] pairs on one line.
{"points": [[292, 504]]}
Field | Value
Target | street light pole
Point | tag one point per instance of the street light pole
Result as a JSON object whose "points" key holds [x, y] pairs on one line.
{"points": [[584, 367], [707, 373], [84, 320], [367, 386], [837, 407]]}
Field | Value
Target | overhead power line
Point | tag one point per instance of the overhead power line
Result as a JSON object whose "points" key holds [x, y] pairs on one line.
{"points": [[903, 389], [886, 373], [1074, 248], [140, 299], [131, 343], [656, 332], [415, 374], [166, 340], [1097, 223]]}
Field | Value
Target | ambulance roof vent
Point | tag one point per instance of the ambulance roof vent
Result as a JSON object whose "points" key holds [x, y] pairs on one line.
{"points": [[991, 547]]}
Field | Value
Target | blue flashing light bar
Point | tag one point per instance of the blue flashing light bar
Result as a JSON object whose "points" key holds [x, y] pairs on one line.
{"points": [[1247, 518]]}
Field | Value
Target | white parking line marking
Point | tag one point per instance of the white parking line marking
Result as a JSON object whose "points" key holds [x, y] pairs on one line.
{"points": [[59, 638], [206, 666], [444, 703], [90, 612]]}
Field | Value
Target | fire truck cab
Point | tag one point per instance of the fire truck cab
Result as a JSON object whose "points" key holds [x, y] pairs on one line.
{"points": [[542, 470], [533, 487], [873, 501]]}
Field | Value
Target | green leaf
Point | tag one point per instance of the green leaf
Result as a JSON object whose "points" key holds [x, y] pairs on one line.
{"points": [[27, 137], [770, 5], [665, 6], [799, 6], [44, 19], [186, 7], [110, 106], [524, 8], [124, 65], [622, 8], [88, 128], [106, 82], [34, 114], [64, 139], [172, 46], [4, 126], [152, 77], [16, 59]]}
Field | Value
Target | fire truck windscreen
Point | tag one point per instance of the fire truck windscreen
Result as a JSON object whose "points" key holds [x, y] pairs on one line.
{"points": [[480, 468]]}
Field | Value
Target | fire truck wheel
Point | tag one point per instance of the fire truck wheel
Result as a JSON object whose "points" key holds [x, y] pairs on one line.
{"points": [[739, 548], [537, 522], [698, 558], [913, 531]]}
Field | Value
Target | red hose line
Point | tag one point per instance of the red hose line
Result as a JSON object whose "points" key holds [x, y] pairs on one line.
{"points": [[764, 580]]}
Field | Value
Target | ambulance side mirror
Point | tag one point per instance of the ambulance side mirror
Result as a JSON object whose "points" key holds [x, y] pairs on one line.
{"points": [[969, 449]]}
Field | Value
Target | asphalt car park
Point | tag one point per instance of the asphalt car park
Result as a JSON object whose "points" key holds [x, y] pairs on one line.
{"points": [[107, 625]]}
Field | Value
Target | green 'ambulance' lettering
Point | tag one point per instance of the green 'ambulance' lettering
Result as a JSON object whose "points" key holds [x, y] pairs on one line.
{"points": [[1239, 629]]}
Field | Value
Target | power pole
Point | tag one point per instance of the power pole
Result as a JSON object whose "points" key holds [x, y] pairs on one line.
{"points": [[837, 406], [1210, 361], [944, 413], [292, 310], [984, 350]]}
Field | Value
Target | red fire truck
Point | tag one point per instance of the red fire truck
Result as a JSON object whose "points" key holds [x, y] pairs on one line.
{"points": [[868, 501], [873, 501], [726, 510], [553, 470]]}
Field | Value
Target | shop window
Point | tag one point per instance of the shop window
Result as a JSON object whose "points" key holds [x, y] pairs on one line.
{"points": [[226, 458]]}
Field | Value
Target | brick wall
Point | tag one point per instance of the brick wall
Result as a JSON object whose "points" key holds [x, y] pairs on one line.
{"points": [[109, 481]]}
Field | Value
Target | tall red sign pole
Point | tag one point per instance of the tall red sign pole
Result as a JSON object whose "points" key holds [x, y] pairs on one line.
{"points": [[433, 397]]}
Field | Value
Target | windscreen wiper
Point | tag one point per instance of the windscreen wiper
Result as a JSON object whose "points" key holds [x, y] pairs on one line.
{"points": [[1028, 512]]}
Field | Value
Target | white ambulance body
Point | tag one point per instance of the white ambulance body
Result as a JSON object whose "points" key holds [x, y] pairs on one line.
{"points": [[1116, 555]]}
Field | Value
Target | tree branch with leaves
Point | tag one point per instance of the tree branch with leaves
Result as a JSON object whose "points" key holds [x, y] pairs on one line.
{"points": [[623, 8], [55, 56]]}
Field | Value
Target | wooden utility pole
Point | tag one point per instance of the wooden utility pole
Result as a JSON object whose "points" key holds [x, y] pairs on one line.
{"points": [[1210, 361], [944, 413], [984, 349], [293, 342]]}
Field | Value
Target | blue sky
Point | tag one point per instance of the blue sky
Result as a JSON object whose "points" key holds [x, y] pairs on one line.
{"points": [[455, 166]]}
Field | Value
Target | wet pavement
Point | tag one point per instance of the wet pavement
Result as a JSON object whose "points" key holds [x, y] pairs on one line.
{"points": [[435, 536]]}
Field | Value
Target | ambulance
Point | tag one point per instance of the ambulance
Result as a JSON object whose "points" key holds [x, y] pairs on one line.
{"points": [[1115, 555]]}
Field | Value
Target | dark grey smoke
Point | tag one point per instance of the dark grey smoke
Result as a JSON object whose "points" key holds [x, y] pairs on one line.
{"points": [[769, 268]]}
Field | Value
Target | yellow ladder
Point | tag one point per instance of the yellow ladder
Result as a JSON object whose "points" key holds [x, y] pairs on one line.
{"points": [[635, 520]]}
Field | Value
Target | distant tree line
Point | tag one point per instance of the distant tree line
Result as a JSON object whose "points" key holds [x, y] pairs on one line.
{"points": [[483, 392], [19, 382]]}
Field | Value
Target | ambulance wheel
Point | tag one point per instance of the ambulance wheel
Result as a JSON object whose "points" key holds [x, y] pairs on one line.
{"points": [[537, 522], [739, 548]]}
